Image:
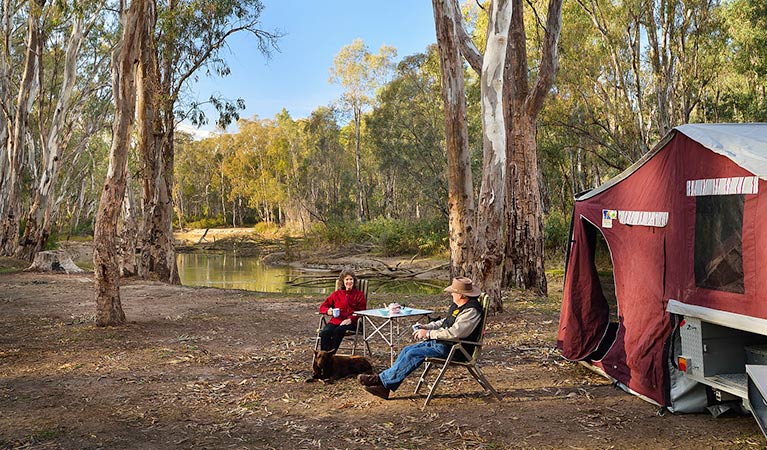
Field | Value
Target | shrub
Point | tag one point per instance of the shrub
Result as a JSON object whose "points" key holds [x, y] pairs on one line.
{"points": [[53, 242], [556, 232], [207, 222], [387, 236], [266, 229]]}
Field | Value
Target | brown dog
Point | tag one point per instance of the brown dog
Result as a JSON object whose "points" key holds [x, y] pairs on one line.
{"points": [[329, 366]]}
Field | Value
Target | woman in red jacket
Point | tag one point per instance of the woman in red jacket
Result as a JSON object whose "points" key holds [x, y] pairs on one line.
{"points": [[340, 305]]}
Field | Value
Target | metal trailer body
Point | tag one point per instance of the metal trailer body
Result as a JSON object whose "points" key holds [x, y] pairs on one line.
{"points": [[727, 352]]}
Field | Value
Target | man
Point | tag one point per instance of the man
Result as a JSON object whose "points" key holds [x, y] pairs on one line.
{"points": [[464, 321]]}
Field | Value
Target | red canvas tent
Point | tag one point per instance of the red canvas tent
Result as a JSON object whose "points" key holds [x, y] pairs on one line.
{"points": [[682, 225]]}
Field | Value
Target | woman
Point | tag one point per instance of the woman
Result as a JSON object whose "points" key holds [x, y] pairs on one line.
{"points": [[346, 301]]}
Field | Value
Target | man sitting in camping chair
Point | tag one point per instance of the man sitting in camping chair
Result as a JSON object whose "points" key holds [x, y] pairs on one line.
{"points": [[464, 321]]}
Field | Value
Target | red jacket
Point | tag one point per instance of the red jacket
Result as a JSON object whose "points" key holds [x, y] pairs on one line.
{"points": [[347, 301]]}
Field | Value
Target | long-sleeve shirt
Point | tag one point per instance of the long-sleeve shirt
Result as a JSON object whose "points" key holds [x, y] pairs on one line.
{"points": [[347, 302], [465, 323]]}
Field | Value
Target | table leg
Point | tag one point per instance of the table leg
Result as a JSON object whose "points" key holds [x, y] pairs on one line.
{"points": [[391, 342]]}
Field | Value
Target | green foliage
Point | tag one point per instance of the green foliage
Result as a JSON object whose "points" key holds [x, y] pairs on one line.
{"points": [[207, 222], [405, 133], [53, 242], [83, 229], [556, 231], [266, 229], [339, 234], [388, 237]]}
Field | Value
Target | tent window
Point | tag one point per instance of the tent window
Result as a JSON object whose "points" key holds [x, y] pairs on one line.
{"points": [[719, 242]]}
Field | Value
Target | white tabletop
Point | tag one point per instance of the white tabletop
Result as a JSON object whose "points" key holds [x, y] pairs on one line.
{"points": [[384, 313]]}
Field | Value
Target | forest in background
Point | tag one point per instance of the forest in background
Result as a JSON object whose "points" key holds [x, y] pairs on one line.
{"points": [[629, 72]]}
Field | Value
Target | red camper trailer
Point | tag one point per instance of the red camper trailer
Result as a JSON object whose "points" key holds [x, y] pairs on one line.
{"points": [[684, 321]]}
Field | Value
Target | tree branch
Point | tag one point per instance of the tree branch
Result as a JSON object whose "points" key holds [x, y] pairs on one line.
{"points": [[465, 43], [549, 59]]}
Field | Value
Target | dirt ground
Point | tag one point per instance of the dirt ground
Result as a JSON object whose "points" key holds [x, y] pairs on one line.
{"points": [[210, 368]]}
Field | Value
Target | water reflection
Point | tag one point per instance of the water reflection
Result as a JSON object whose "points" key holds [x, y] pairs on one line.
{"points": [[230, 271]]}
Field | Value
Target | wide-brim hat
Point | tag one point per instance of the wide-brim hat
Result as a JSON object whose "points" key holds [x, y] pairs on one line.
{"points": [[463, 286]]}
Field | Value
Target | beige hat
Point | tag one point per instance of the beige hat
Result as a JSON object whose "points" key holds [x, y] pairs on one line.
{"points": [[463, 286]]}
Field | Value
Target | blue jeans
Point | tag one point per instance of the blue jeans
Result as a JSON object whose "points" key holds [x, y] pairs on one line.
{"points": [[409, 359]]}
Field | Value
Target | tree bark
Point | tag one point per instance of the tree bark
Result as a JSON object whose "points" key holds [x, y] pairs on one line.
{"points": [[524, 242], [5, 96], [358, 160], [105, 262], [10, 185], [468, 49], [38, 226], [489, 247], [155, 118], [460, 193], [129, 232]]}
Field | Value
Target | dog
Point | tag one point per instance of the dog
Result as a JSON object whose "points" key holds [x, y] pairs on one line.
{"points": [[328, 366]]}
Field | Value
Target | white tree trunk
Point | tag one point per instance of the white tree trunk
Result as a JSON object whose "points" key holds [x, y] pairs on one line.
{"points": [[5, 96], [489, 247], [38, 223], [10, 189]]}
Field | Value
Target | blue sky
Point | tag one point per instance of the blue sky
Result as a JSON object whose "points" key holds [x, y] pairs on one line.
{"points": [[296, 77]]}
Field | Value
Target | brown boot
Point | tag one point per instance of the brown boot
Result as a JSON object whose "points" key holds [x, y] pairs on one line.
{"points": [[378, 391], [369, 380]]}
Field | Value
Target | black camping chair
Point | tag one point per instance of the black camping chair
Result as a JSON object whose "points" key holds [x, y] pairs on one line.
{"points": [[360, 285], [460, 356]]}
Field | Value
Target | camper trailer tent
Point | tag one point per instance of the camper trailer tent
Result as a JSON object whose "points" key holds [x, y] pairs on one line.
{"points": [[685, 230]]}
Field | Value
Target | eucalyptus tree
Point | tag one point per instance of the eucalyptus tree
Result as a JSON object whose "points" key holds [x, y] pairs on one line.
{"points": [[7, 64], [105, 245], [360, 73], [460, 198], [195, 173], [635, 70], [187, 36], [17, 122], [509, 194], [325, 179], [64, 117], [524, 211], [192, 174], [254, 169], [487, 255], [405, 132], [741, 95], [287, 144], [224, 146], [684, 53]]}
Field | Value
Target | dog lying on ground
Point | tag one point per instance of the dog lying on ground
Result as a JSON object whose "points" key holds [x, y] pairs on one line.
{"points": [[329, 366]]}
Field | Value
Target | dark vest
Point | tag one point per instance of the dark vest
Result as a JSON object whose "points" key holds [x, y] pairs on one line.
{"points": [[475, 334]]}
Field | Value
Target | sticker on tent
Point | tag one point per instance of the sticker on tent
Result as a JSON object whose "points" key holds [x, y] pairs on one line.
{"points": [[608, 215], [645, 218]]}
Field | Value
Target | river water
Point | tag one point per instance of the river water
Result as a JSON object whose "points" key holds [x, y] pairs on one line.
{"points": [[229, 271]]}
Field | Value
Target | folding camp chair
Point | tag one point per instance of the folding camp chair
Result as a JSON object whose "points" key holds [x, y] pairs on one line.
{"points": [[469, 360], [360, 285]]}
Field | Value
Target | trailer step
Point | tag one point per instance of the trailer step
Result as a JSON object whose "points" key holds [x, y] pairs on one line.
{"points": [[732, 383]]}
